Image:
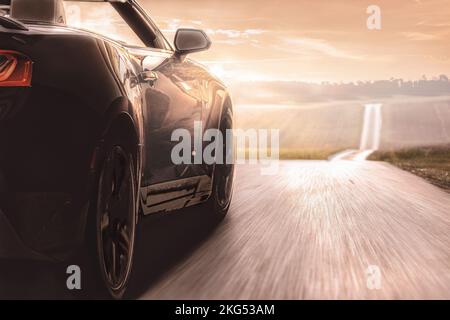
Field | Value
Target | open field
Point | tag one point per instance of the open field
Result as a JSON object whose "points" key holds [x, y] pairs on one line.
{"points": [[309, 131], [307, 153], [292, 153], [317, 130], [430, 163], [414, 123]]}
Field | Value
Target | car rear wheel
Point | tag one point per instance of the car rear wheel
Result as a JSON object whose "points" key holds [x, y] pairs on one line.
{"points": [[116, 218]]}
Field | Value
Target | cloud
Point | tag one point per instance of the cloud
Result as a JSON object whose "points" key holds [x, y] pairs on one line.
{"points": [[301, 45], [433, 24], [419, 36], [233, 33], [230, 36]]}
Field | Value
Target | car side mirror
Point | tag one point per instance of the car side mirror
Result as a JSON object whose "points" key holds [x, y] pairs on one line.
{"points": [[191, 40]]}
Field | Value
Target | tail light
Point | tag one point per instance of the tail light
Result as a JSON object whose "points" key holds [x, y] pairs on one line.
{"points": [[15, 69]]}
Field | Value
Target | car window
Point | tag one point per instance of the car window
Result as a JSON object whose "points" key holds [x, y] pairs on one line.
{"points": [[101, 18]]}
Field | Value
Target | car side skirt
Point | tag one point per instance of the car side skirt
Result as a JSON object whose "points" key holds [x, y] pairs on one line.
{"points": [[174, 195]]}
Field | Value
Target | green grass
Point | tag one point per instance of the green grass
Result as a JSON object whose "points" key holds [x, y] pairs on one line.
{"points": [[303, 153], [307, 154], [430, 163]]}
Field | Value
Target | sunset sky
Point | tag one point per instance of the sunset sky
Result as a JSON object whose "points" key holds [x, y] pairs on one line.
{"points": [[314, 40]]}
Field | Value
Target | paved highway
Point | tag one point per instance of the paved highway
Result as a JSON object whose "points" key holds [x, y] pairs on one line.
{"points": [[318, 230]]}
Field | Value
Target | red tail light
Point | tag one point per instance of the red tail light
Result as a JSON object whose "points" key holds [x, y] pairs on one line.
{"points": [[15, 69]]}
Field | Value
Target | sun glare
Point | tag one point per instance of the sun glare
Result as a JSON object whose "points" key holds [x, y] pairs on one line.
{"points": [[218, 70]]}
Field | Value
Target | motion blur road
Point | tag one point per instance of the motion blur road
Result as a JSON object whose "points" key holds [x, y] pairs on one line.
{"points": [[309, 232], [313, 230]]}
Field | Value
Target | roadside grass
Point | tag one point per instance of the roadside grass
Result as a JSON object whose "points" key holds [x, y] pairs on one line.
{"points": [[307, 154], [430, 163], [302, 153]]}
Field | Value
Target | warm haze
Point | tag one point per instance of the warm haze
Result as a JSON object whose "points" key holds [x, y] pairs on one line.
{"points": [[342, 132], [310, 41], [315, 40]]}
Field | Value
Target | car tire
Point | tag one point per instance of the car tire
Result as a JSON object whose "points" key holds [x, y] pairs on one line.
{"points": [[112, 223]]}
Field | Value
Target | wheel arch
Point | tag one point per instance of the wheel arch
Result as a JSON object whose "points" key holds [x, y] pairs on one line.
{"points": [[121, 126], [227, 103]]}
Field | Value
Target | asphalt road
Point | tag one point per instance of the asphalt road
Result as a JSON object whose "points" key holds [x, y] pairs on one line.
{"points": [[309, 232], [313, 230]]}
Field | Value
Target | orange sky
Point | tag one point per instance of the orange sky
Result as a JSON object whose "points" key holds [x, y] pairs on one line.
{"points": [[307, 40], [315, 40]]}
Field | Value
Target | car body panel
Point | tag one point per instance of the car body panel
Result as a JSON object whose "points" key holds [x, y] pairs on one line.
{"points": [[51, 133]]}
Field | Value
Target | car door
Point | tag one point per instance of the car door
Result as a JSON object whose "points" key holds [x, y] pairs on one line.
{"points": [[173, 92], [174, 99]]}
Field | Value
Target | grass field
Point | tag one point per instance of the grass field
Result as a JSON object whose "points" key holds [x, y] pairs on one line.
{"points": [[317, 130], [415, 122], [307, 154], [309, 131], [297, 154], [431, 163]]}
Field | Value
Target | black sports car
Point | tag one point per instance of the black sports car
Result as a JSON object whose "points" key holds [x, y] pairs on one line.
{"points": [[86, 124]]}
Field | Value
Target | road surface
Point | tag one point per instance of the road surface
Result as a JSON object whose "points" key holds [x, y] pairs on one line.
{"points": [[313, 230], [370, 136], [316, 230]]}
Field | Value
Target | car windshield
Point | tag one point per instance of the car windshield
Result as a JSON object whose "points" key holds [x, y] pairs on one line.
{"points": [[101, 18]]}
